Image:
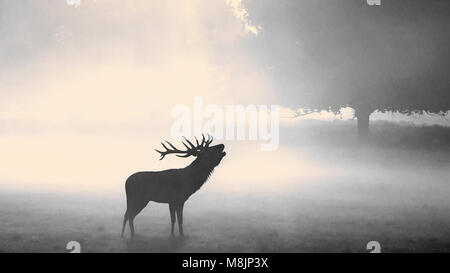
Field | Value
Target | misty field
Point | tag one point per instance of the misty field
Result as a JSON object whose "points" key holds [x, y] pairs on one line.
{"points": [[395, 191]]}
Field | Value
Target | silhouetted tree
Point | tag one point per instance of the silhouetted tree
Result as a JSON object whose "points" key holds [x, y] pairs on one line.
{"points": [[332, 54]]}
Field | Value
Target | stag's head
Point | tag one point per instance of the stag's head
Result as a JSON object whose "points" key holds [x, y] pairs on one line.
{"points": [[203, 151]]}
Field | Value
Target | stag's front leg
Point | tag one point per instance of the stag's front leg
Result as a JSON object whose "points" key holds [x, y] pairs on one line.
{"points": [[172, 216], [180, 218]]}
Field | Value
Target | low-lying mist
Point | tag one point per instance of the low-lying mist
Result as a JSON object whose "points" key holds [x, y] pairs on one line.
{"points": [[320, 191]]}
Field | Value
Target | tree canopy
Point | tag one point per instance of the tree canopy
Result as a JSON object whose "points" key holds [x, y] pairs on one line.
{"points": [[330, 54]]}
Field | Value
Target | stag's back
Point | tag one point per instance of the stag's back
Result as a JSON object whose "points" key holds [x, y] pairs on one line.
{"points": [[162, 186]]}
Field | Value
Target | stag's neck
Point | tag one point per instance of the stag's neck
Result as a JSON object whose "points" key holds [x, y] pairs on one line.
{"points": [[199, 172]]}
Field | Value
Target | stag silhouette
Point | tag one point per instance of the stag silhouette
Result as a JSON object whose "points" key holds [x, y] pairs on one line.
{"points": [[173, 186]]}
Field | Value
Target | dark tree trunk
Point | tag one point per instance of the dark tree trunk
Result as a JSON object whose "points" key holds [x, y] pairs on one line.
{"points": [[362, 115]]}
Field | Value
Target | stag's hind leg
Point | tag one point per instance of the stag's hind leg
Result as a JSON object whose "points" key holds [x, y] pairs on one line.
{"points": [[132, 211], [125, 219]]}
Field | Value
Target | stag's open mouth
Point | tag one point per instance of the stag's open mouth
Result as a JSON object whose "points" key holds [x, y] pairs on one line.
{"points": [[222, 148]]}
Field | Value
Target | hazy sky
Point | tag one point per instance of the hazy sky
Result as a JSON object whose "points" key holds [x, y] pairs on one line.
{"points": [[86, 92]]}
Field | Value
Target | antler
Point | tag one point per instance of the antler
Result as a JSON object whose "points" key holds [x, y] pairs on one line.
{"points": [[192, 150], [208, 141]]}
